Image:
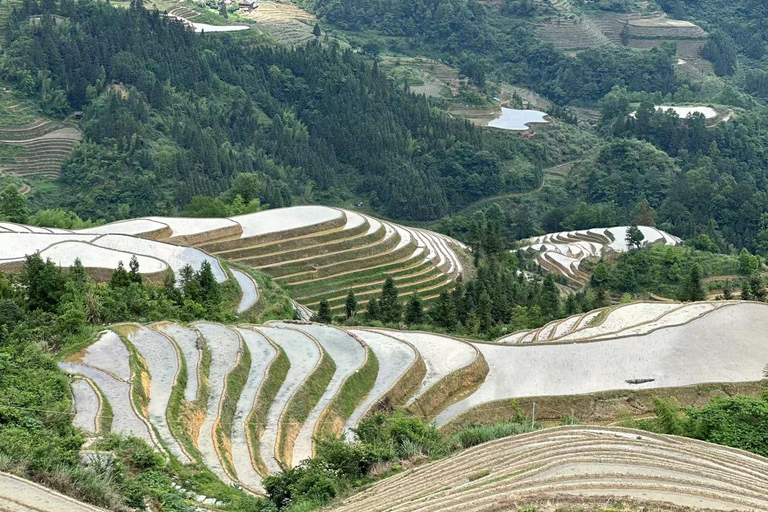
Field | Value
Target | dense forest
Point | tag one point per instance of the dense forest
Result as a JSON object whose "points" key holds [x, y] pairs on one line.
{"points": [[170, 115], [497, 41]]}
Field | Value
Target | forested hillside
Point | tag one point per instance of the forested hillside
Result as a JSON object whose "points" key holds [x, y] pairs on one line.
{"points": [[488, 40], [170, 115]]}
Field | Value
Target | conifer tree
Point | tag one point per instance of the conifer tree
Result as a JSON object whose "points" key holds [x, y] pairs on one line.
{"points": [[134, 273], [351, 304], [324, 313], [693, 289], [372, 311], [391, 310], [414, 313]]}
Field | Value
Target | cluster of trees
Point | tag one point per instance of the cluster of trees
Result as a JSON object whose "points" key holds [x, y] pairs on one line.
{"points": [[500, 43], [45, 310], [734, 26], [382, 438], [714, 180], [680, 272], [170, 115], [507, 293], [739, 422]]}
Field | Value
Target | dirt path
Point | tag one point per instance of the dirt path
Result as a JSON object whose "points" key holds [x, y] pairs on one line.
{"points": [[556, 172]]}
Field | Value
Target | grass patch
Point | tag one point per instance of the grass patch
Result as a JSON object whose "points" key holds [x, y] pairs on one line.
{"points": [[106, 414], [300, 405], [234, 387], [354, 390], [256, 423], [273, 304], [479, 475]]}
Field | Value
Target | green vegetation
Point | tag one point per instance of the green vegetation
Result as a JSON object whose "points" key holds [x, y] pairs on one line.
{"points": [[663, 270], [257, 420], [301, 404], [739, 421], [354, 390], [384, 443], [236, 381]]}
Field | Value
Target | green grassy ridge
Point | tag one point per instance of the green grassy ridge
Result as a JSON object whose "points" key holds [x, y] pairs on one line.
{"points": [[295, 244], [428, 298], [234, 386], [379, 277], [364, 288], [256, 421], [290, 267], [362, 274], [354, 390], [106, 414], [391, 256], [315, 251], [416, 286], [301, 403], [273, 304], [173, 412]]}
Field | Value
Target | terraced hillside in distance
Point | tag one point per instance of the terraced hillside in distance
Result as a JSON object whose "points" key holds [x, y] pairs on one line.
{"points": [[284, 21], [273, 389], [645, 31], [571, 465], [564, 252], [315, 252], [38, 149]]}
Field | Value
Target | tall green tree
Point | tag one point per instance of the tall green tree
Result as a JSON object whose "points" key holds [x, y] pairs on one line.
{"points": [[389, 303], [693, 288], [414, 311], [350, 305], [13, 206], [324, 313]]}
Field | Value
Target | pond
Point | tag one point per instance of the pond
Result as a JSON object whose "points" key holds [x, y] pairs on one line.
{"points": [[518, 120]]}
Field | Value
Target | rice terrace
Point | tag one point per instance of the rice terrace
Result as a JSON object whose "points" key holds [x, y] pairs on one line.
{"points": [[383, 256]]}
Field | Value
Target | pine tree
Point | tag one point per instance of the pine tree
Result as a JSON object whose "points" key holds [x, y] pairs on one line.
{"points": [[390, 307], [372, 311], [414, 313], [634, 237], [120, 277], [727, 292], [550, 298], [316, 30], [209, 287], [134, 273], [351, 305], [757, 288], [693, 289], [484, 307], [323, 313], [443, 314], [746, 291], [13, 206]]}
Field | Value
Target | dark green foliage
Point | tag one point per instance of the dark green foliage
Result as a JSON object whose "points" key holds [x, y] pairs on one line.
{"points": [[350, 306], [324, 313], [192, 113], [665, 270], [634, 237], [738, 421], [692, 288], [481, 37], [339, 465], [721, 50], [12, 205], [414, 311], [390, 309]]}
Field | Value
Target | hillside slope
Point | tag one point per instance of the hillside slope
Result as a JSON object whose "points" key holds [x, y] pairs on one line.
{"points": [[307, 380], [581, 463]]}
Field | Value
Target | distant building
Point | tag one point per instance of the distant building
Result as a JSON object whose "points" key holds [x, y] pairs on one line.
{"points": [[247, 5]]}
